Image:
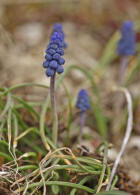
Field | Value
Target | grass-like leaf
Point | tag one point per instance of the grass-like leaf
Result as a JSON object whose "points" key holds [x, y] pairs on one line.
{"points": [[133, 73], [109, 54], [112, 193]]}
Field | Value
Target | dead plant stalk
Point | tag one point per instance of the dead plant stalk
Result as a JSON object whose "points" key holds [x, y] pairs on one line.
{"points": [[127, 134]]}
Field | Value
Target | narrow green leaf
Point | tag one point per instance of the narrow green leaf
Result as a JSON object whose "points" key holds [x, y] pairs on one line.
{"points": [[21, 85], [6, 156], [27, 106], [101, 121], [109, 54], [60, 183], [112, 193], [132, 75]]}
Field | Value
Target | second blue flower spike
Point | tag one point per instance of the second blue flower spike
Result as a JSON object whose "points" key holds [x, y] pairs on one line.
{"points": [[83, 102], [127, 43]]}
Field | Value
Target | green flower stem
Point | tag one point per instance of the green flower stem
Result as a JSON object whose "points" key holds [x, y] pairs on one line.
{"points": [[124, 65], [54, 112], [82, 123]]}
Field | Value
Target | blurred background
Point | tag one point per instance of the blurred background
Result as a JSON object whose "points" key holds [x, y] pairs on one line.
{"points": [[25, 27], [89, 25]]}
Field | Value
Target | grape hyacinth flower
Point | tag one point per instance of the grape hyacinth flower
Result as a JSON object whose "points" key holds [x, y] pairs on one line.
{"points": [[55, 51], [83, 103], [54, 64], [127, 43], [126, 46]]}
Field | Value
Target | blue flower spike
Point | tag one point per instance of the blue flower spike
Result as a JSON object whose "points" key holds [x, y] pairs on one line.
{"points": [[54, 52], [126, 47], [127, 42], [83, 102]]}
